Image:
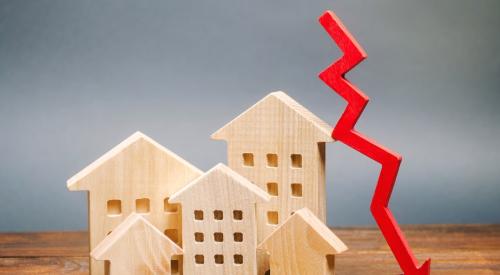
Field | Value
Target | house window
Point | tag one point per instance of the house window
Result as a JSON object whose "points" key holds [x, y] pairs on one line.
{"points": [[199, 259], [142, 205], [238, 237], [330, 262], [238, 259], [238, 215], [168, 207], [272, 188], [272, 160], [174, 267], [218, 237], [198, 215], [218, 215], [199, 237], [114, 208], [296, 190], [219, 259], [296, 160], [272, 217], [248, 159], [107, 267], [173, 234]]}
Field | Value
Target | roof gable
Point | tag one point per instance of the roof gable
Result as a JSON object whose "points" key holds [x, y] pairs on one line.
{"points": [[138, 151], [220, 178], [144, 235], [267, 108], [304, 228]]}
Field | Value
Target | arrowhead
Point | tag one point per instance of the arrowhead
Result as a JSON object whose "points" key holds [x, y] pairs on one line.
{"points": [[425, 269]]}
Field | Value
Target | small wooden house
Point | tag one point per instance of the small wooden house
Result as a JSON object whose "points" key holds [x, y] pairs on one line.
{"points": [[302, 245], [219, 223], [138, 175], [136, 247]]}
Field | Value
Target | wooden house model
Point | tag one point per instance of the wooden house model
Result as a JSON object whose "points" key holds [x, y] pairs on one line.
{"points": [[304, 245], [138, 175], [279, 145], [219, 223], [138, 247]]}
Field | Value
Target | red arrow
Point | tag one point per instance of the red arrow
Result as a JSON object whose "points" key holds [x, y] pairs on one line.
{"points": [[344, 131]]}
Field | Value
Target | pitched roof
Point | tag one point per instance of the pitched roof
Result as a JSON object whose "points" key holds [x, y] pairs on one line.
{"points": [[323, 128], [224, 176], [74, 182], [304, 222], [100, 252]]}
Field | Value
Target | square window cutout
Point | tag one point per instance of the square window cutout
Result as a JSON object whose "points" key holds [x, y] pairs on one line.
{"points": [[219, 259], [248, 159], [218, 215], [238, 215], [272, 188], [272, 160], [199, 237], [218, 237], [296, 189], [198, 215], [199, 259], [142, 205], [114, 207], [238, 259], [238, 237], [296, 160], [272, 217]]}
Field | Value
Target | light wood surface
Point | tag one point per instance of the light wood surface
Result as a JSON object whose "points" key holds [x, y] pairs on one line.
{"points": [[138, 175], [302, 245], [219, 225], [138, 247], [280, 146], [454, 249]]}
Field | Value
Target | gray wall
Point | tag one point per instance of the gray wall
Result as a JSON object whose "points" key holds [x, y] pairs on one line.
{"points": [[77, 77]]}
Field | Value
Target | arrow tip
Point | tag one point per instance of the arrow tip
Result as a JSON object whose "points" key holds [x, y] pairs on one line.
{"points": [[425, 269]]}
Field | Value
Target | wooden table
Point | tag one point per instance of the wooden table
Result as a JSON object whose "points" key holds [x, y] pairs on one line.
{"points": [[454, 249]]}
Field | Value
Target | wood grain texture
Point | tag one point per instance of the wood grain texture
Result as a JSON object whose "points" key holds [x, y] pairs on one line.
{"points": [[280, 146], [44, 244], [138, 175], [219, 227], [455, 250], [137, 247], [302, 245], [45, 265]]}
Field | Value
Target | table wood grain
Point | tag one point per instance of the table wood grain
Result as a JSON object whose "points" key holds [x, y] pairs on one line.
{"points": [[454, 249]]}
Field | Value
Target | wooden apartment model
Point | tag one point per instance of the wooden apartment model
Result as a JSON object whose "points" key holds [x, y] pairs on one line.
{"points": [[219, 226], [280, 146], [151, 212]]}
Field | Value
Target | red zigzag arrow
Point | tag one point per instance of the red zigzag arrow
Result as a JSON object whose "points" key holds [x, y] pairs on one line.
{"points": [[344, 131]]}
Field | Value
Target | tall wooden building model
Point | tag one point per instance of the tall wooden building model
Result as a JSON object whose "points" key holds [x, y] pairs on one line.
{"points": [[151, 212]]}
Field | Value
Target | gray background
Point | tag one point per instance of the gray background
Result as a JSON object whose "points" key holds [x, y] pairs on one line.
{"points": [[77, 77]]}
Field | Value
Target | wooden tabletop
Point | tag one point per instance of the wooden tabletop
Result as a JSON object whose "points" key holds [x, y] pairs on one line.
{"points": [[454, 249]]}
